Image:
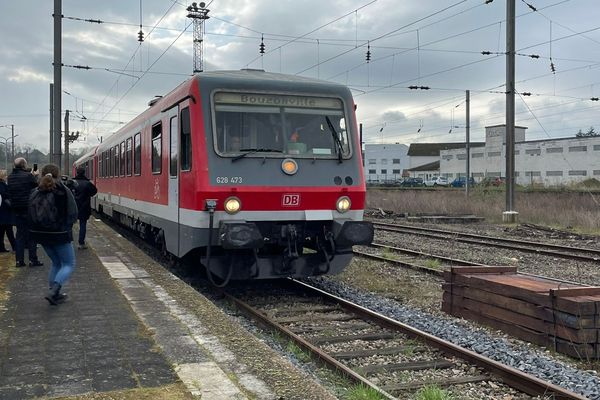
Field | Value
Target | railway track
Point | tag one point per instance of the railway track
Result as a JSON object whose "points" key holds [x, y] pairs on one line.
{"points": [[568, 252], [414, 260], [390, 357]]}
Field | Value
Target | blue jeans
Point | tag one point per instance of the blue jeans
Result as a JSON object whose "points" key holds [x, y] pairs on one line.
{"points": [[63, 262], [82, 230]]}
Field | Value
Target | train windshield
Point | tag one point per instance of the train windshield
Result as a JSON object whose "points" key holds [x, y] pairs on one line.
{"points": [[270, 125]]}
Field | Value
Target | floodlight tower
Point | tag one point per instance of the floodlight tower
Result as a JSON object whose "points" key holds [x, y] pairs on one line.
{"points": [[198, 15]]}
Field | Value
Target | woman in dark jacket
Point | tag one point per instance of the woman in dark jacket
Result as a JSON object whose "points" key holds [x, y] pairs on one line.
{"points": [[7, 218], [55, 234]]}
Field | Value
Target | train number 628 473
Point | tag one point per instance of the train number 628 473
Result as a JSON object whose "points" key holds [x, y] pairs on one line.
{"points": [[229, 179]]}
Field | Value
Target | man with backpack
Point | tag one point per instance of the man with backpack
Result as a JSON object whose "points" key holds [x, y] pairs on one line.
{"points": [[51, 214], [20, 184], [83, 191]]}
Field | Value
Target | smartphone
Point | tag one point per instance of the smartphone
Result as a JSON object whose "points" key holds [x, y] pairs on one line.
{"points": [[35, 166]]}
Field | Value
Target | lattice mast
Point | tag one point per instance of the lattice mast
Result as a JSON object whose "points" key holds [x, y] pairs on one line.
{"points": [[198, 16]]}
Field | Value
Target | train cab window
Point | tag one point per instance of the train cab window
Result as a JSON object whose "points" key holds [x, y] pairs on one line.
{"points": [[280, 126], [173, 147], [157, 148], [186, 140], [128, 155], [122, 160], [137, 153]]}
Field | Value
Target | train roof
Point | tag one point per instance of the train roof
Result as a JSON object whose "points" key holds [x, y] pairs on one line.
{"points": [[261, 75], [90, 154]]}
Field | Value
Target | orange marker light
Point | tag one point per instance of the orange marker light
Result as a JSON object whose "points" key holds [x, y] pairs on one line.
{"points": [[289, 166]]}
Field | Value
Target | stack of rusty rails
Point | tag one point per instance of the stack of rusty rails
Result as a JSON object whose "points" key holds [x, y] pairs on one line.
{"points": [[564, 317]]}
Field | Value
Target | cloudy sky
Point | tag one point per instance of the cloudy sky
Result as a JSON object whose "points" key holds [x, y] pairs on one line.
{"points": [[432, 43]]}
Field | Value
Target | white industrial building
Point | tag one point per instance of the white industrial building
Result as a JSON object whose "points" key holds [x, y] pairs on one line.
{"points": [[549, 162], [385, 162]]}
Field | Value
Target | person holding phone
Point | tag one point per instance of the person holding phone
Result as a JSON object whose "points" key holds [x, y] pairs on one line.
{"points": [[20, 184]]}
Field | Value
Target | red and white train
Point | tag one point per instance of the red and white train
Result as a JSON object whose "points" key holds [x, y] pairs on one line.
{"points": [[255, 174]]}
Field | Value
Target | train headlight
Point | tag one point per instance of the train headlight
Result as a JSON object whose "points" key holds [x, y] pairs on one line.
{"points": [[343, 204], [232, 205], [289, 166]]}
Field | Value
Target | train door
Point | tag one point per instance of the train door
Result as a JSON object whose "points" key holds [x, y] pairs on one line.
{"points": [[174, 177], [185, 155]]}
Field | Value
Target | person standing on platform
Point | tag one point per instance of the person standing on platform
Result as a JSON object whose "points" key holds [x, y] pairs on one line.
{"points": [[52, 212], [83, 191], [20, 184], [7, 219]]}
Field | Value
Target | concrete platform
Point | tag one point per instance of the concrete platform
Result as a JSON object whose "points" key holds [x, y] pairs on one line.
{"points": [[129, 323]]}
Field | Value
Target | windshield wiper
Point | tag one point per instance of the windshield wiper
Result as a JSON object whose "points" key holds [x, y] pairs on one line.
{"points": [[252, 151], [339, 147]]}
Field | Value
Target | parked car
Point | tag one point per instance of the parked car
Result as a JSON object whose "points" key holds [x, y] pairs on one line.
{"points": [[411, 182], [436, 181], [462, 181]]}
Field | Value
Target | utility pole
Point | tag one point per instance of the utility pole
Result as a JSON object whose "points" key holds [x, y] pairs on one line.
{"points": [[468, 139], [51, 148], [57, 89], [198, 16], [510, 215]]}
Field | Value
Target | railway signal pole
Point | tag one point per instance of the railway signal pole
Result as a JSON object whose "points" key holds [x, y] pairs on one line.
{"points": [[468, 139], [198, 16]]}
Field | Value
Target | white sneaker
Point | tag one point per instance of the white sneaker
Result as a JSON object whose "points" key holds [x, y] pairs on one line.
{"points": [[82, 246]]}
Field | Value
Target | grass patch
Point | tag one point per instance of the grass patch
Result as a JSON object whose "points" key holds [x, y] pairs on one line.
{"points": [[409, 347], [361, 392], [7, 271], [298, 352], [433, 263], [577, 209], [433, 393], [389, 253]]}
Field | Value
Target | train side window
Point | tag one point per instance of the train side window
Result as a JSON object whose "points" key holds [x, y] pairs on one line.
{"points": [[122, 163], [186, 140], [100, 175], [157, 148], [128, 151], [173, 146], [137, 153], [111, 161], [116, 162]]}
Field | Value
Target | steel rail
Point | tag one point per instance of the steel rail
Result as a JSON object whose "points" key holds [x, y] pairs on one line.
{"points": [[513, 244], [306, 345], [511, 376], [434, 271]]}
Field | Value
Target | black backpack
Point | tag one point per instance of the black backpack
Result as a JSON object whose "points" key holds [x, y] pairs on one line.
{"points": [[43, 212]]}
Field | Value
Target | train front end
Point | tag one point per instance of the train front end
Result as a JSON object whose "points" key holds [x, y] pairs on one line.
{"points": [[285, 190]]}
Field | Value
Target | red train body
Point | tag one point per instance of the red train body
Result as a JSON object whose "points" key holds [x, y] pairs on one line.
{"points": [[258, 175]]}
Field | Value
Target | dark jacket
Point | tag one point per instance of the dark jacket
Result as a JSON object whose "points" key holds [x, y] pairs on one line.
{"points": [[84, 191], [67, 209], [20, 185], [6, 214]]}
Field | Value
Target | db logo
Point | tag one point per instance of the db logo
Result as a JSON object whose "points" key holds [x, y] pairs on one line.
{"points": [[290, 200]]}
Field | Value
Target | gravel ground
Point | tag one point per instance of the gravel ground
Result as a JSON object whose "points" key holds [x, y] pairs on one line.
{"points": [[415, 298]]}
